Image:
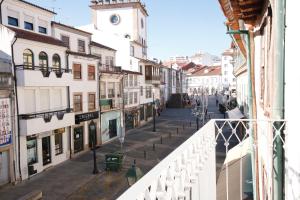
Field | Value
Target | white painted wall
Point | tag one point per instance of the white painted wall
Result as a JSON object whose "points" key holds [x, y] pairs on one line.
{"points": [[56, 159], [23, 11], [203, 81], [58, 32], [36, 47], [228, 79]]}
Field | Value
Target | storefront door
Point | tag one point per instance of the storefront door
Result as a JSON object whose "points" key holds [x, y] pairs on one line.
{"points": [[78, 139], [4, 168], [46, 147], [142, 113], [112, 128], [92, 134], [129, 121]]}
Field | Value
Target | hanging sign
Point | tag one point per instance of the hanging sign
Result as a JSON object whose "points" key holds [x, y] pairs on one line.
{"points": [[5, 122]]}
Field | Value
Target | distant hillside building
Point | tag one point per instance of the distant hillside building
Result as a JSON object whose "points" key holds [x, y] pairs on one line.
{"points": [[204, 78], [228, 79], [204, 58]]}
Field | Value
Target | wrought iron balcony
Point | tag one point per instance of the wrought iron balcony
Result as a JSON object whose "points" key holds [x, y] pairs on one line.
{"points": [[110, 104], [47, 116], [215, 163], [110, 69], [47, 121]]}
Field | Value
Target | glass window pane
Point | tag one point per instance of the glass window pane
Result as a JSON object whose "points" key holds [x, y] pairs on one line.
{"points": [[13, 21]]}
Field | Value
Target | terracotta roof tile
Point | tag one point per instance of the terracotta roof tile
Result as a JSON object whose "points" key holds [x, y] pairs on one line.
{"points": [[131, 72], [208, 71], [70, 27], [101, 46], [28, 35], [82, 54]]}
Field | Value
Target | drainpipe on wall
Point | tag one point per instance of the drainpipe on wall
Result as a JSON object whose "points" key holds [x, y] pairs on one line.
{"points": [[1, 11], [278, 106], [252, 106], [17, 107]]}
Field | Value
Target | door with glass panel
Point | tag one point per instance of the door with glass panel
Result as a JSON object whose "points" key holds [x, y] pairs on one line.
{"points": [[46, 148]]}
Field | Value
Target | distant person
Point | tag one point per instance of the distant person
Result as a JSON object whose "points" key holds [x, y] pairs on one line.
{"points": [[217, 102]]}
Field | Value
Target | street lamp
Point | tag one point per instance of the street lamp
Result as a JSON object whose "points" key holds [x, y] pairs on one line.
{"points": [[93, 131], [133, 174], [154, 111]]}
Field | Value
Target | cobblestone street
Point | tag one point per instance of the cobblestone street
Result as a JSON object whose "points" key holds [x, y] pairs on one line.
{"points": [[76, 178]]}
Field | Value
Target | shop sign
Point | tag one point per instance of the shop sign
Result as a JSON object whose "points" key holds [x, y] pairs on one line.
{"points": [[5, 122], [86, 117]]}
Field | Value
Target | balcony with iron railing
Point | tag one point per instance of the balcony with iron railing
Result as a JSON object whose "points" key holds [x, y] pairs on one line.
{"points": [[108, 105], [46, 121], [43, 76], [215, 163], [150, 79], [110, 69]]}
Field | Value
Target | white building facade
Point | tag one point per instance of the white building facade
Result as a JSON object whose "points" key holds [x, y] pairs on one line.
{"points": [[44, 99], [83, 87], [228, 79]]}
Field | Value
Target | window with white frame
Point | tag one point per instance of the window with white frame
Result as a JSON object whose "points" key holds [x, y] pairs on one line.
{"points": [[130, 80], [126, 80], [111, 90], [135, 97], [130, 98], [102, 90], [135, 80], [125, 98]]}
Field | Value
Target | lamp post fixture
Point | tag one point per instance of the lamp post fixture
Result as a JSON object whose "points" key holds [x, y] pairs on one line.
{"points": [[133, 174], [154, 111]]}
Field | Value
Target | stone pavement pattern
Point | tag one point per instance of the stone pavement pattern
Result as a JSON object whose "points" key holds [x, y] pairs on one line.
{"points": [[73, 179]]}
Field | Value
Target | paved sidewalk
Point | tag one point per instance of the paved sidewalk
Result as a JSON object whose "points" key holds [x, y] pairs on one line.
{"points": [[73, 179]]}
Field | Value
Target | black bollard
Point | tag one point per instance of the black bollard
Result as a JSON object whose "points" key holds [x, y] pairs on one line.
{"points": [[153, 146], [161, 139], [190, 124], [177, 132], [170, 134]]}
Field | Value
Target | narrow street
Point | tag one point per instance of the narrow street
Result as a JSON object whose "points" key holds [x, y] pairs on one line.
{"points": [[76, 178]]}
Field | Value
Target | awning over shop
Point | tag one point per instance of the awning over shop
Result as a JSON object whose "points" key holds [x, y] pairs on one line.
{"points": [[235, 114], [237, 170]]}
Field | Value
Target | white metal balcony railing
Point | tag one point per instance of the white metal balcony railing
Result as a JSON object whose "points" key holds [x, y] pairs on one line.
{"points": [[198, 170]]}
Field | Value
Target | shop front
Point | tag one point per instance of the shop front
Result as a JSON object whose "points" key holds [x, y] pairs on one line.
{"points": [[132, 118], [85, 131], [44, 150], [149, 111], [5, 142], [110, 125], [142, 113]]}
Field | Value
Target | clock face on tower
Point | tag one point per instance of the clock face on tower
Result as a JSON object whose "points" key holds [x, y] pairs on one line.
{"points": [[115, 19]]}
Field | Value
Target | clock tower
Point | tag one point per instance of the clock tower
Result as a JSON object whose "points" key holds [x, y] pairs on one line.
{"points": [[123, 18]]}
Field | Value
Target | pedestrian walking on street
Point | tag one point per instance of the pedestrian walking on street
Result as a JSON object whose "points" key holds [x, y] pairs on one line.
{"points": [[217, 102]]}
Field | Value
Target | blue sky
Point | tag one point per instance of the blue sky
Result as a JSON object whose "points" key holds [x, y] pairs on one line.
{"points": [[174, 27]]}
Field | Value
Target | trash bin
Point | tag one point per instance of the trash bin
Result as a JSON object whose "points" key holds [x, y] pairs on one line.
{"points": [[113, 161]]}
